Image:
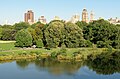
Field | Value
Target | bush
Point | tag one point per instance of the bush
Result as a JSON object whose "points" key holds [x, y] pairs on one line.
{"points": [[54, 54], [39, 43], [63, 51]]}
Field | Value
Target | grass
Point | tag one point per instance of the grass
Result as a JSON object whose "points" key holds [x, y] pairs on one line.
{"points": [[7, 41], [9, 51], [7, 46]]}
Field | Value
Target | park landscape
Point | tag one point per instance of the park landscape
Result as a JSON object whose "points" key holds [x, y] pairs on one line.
{"points": [[58, 40], [85, 48], [40, 46]]}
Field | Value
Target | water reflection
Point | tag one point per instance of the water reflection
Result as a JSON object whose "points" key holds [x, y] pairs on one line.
{"points": [[52, 66], [23, 64], [105, 63]]}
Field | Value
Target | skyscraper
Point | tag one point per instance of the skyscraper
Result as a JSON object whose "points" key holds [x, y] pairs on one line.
{"points": [[75, 18], [85, 16], [91, 16], [29, 17], [42, 19]]}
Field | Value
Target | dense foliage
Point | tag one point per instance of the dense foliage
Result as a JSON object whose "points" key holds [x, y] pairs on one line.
{"points": [[106, 63], [57, 33], [54, 34], [73, 36], [23, 39], [103, 34]]}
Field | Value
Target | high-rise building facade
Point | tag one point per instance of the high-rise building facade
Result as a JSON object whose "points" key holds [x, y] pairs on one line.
{"points": [[85, 16], [29, 17], [42, 19], [91, 16], [75, 18]]}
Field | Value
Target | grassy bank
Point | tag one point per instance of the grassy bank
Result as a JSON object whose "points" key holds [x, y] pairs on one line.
{"points": [[9, 52]]}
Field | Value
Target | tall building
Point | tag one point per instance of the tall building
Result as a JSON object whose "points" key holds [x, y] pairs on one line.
{"points": [[29, 17], [85, 16], [75, 18], [91, 16], [42, 19]]}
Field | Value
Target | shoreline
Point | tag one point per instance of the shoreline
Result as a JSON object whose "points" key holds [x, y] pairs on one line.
{"points": [[78, 54]]}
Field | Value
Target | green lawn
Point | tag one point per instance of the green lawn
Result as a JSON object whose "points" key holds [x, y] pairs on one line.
{"points": [[7, 46], [9, 50]]}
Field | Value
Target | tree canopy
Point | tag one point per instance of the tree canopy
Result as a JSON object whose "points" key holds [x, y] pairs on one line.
{"points": [[102, 33], [23, 38]]}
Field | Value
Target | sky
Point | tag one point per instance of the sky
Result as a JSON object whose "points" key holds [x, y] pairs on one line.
{"points": [[13, 10]]}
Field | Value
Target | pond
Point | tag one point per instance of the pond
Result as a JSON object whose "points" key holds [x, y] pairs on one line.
{"points": [[53, 69]]}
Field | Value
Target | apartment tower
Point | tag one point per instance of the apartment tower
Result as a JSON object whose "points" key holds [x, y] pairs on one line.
{"points": [[29, 17], [85, 16]]}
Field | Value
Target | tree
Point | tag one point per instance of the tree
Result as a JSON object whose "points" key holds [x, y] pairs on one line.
{"points": [[54, 33], [81, 24], [102, 33], [0, 32], [23, 38], [21, 25], [8, 34], [73, 35], [70, 35], [38, 33], [39, 43]]}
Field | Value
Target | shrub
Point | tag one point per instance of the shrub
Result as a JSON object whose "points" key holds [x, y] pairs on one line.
{"points": [[63, 51], [54, 54], [39, 43]]}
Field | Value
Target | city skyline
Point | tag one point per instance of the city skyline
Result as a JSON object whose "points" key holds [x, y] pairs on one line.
{"points": [[13, 11]]}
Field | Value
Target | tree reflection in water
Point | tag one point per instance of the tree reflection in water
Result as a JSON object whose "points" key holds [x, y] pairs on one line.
{"points": [[106, 63], [57, 67], [52, 66]]}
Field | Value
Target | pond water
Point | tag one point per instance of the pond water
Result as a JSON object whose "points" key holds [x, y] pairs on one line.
{"points": [[49, 69]]}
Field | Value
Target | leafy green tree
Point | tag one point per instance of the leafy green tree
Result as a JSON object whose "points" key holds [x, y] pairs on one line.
{"points": [[39, 31], [81, 24], [59, 33], [21, 25], [33, 34], [7, 27], [23, 39], [54, 34], [39, 43], [8, 34], [0, 32], [72, 35], [102, 33]]}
